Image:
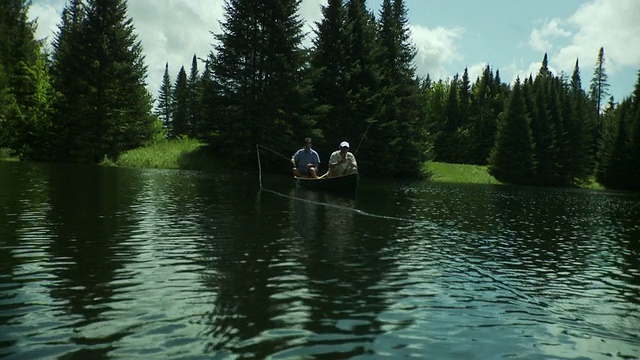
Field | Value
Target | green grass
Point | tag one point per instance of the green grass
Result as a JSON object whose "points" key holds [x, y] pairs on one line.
{"points": [[184, 153], [5, 155], [459, 173]]}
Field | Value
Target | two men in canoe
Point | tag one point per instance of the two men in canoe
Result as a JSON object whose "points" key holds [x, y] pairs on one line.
{"points": [[306, 160]]}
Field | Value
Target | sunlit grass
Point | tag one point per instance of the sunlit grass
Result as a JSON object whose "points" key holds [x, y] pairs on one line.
{"points": [[459, 173], [5, 155], [184, 153]]}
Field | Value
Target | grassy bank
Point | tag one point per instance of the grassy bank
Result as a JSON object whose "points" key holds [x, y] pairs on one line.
{"points": [[186, 154], [459, 173], [5, 155], [189, 154]]}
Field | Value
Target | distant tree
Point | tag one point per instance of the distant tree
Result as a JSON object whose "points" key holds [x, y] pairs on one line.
{"points": [[619, 151], [511, 159], [164, 107], [599, 85], [209, 103], [598, 90], [584, 122], [180, 106], [487, 104], [193, 89]]}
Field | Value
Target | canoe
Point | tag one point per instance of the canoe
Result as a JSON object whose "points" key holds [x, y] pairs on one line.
{"points": [[344, 183]]}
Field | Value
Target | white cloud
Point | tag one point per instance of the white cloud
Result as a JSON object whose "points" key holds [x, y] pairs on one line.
{"points": [[541, 39], [610, 24], [435, 49]]}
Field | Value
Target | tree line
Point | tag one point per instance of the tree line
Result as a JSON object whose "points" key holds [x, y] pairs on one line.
{"points": [[87, 99]]}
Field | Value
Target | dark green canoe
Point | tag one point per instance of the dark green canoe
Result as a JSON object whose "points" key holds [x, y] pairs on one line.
{"points": [[344, 183]]}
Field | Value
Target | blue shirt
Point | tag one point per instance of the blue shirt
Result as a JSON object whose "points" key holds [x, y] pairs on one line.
{"points": [[303, 157]]}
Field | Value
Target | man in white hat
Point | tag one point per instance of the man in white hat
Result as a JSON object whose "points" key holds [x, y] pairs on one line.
{"points": [[342, 162]]}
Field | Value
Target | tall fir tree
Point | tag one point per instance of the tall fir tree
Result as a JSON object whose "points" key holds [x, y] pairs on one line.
{"points": [[180, 124], [363, 74], [398, 126], [598, 91], [329, 65], [260, 65], [193, 90], [511, 159], [100, 73], [25, 93], [164, 106]]}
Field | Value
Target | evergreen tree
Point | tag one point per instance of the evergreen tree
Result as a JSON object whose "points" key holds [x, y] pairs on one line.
{"points": [[193, 89], [260, 66], [329, 66], [209, 103], [364, 77], [584, 124], [164, 107], [511, 159], [599, 85], [484, 111], [180, 106], [399, 127], [99, 71], [614, 166], [25, 94]]}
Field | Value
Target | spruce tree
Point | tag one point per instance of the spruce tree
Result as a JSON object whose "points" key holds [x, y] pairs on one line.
{"points": [[511, 159], [180, 104], [363, 74], [25, 94], [599, 85], [100, 73], [193, 89], [164, 107], [398, 125], [260, 65], [329, 65]]}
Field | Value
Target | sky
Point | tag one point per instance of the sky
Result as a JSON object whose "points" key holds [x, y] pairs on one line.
{"points": [[449, 36]]}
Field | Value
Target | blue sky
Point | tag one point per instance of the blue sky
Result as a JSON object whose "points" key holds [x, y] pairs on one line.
{"points": [[510, 36]]}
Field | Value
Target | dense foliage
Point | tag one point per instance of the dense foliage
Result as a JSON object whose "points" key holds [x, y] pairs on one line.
{"points": [[260, 85]]}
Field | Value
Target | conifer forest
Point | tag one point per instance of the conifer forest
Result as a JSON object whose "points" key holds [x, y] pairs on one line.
{"points": [[85, 97]]}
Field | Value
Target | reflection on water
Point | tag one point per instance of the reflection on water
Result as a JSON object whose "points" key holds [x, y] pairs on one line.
{"points": [[121, 263]]}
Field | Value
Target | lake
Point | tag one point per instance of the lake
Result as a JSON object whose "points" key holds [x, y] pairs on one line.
{"points": [[118, 263]]}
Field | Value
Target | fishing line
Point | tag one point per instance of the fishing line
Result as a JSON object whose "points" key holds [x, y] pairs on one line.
{"points": [[357, 211], [258, 146]]}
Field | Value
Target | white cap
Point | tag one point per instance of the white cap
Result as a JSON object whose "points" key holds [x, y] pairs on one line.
{"points": [[344, 144]]}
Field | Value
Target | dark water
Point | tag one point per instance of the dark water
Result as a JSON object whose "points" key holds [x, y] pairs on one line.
{"points": [[120, 263]]}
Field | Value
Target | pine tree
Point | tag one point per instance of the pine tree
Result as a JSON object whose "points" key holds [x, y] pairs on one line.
{"points": [[599, 85], [180, 104], [193, 89], [584, 122], [486, 106], [399, 122], [260, 65], [99, 71], [364, 78], [209, 103], [164, 107], [25, 94], [329, 66], [511, 159]]}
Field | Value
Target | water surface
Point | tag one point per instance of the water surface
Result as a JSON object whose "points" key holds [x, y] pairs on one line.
{"points": [[122, 263]]}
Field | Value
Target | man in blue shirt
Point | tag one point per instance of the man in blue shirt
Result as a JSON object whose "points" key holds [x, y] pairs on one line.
{"points": [[305, 161]]}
